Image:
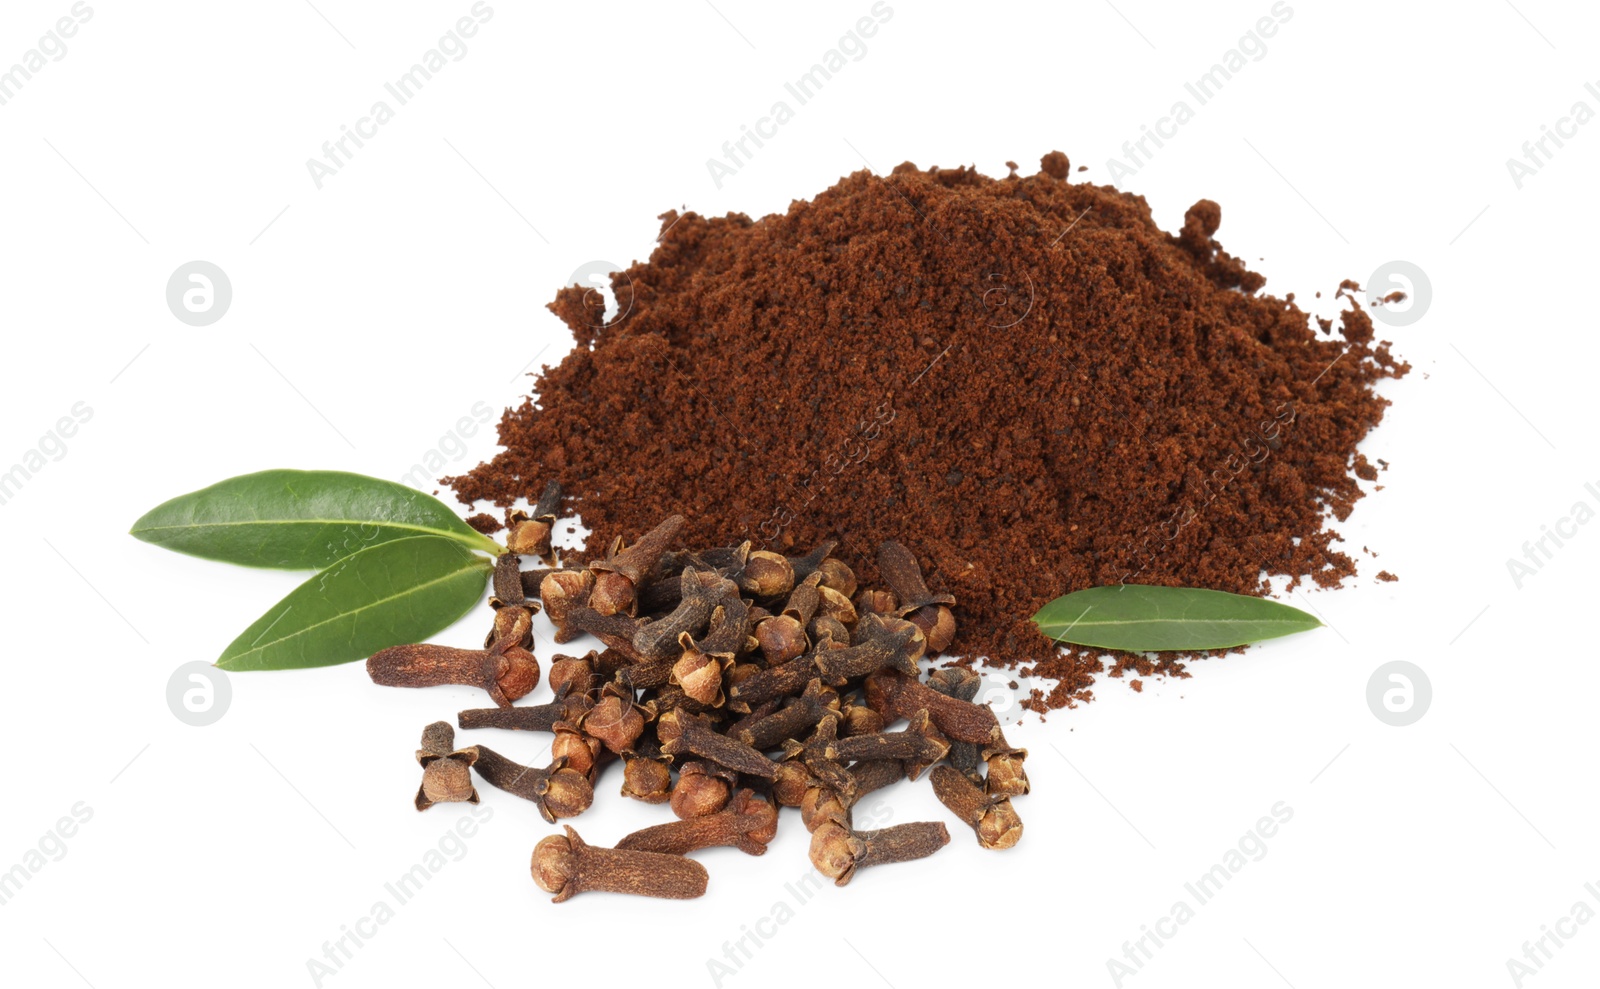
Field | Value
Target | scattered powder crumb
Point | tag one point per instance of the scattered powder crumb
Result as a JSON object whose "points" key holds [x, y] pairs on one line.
{"points": [[1054, 164], [1386, 576], [485, 523], [1137, 685]]}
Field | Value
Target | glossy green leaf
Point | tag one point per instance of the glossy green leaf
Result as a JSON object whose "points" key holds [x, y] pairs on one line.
{"points": [[389, 594], [1143, 618], [300, 519]]}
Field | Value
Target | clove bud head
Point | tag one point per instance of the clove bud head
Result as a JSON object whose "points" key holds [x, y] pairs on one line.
{"points": [[555, 864], [836, 606], [568, 793], [836, 574], [766, 575], [563, 590], [613, 593], [794, 779], [529, 537], [781, 639], [877, 602], [519, 674], [821, 805], [448, 781], [581, 751], [1007, 778], [1000, 827], [699, 674], [698, 794], [616, 722], [647, 778], [858, 719], [938, 626], [570, 675]]}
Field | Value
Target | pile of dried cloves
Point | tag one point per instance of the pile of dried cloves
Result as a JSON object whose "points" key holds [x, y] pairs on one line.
{"points": [[734, 682]]}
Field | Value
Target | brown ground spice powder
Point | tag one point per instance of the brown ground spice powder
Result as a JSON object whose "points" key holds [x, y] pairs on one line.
{"points": [[1023, 379]]}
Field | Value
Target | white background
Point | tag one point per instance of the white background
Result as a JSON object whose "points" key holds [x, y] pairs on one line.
{"points": [[370, 315]]}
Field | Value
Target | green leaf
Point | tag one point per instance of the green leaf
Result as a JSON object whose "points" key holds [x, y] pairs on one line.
{"points": [[1142, 618], [300, 519], [390, 594]]}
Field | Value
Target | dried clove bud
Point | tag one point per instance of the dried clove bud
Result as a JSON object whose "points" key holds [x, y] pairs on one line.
{"points": [[938, 626], [702, 591], [821, 755], [672, 698], [683, 733], [508, 592], [505, 670], [616, 631], [647, 676], [557, 791], [764, 685], [446, 772], [888, 625], [822, 803], [990, 815], [955, 681], [837, 852], [617, 578], [799, 717], [513, 622], [728, 561], [567, 865], [611, 661], [536, 717], [929, 611], [728, 631], [879, 648], [962, 684], [895, 695], [700, 670], [919, 746], [702, 788], [903, 574], [756, 713], [532, 580], [781, 639], [746, 823], [827, 632]]}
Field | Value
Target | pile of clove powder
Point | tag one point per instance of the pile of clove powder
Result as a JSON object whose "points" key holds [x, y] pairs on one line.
{"points": [[733, 682], [1024, 378]]}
